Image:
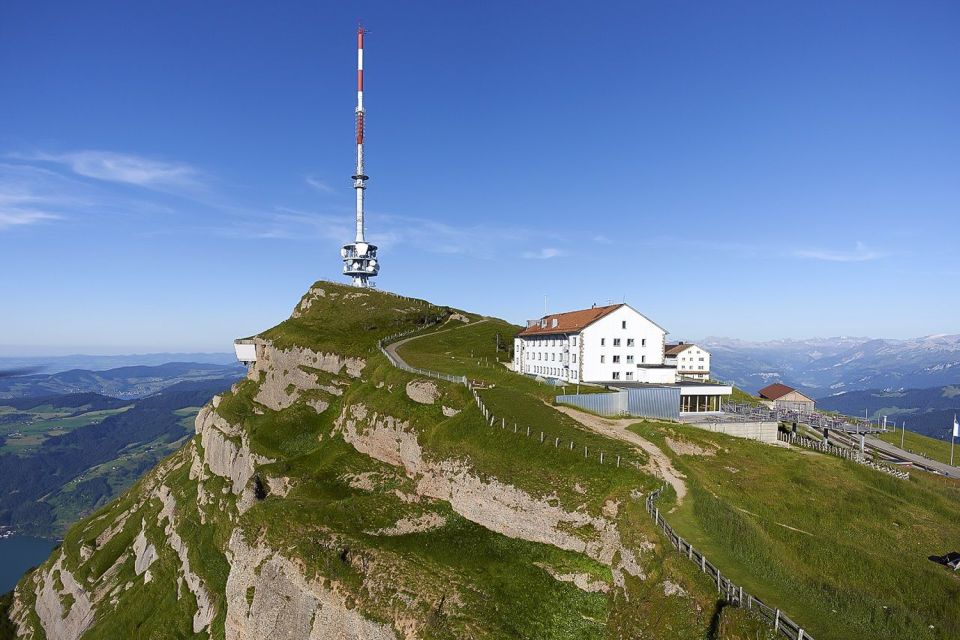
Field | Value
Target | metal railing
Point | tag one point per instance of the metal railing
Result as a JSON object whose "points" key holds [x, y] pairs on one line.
{"points": [[732, 593], [841, 452], [812, 419], [403, 366]]}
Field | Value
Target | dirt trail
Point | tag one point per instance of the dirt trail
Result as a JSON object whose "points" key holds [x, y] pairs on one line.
{"points": [[660, 464]]}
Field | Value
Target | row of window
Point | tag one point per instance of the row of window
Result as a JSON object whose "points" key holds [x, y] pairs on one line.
{"points": [[691, 359], [628, 375], [616, 342], [543, 356], [553, 342], [616, 359], [550, 371]]}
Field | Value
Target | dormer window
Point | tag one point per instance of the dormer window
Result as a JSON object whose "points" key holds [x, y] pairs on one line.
{"points": [[554, 323]]}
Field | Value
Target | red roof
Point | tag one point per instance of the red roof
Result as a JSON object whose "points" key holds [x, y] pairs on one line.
{"points": [[775, 391], [569, 322], [675, 349]]}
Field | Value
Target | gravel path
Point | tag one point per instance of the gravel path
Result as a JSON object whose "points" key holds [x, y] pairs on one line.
{"points": [[660, 463]]}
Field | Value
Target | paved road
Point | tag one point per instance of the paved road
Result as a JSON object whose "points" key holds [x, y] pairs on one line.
{"points": [[392, 347], [920, 461]]}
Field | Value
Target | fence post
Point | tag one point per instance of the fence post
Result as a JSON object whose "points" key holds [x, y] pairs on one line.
{"points": [[528, 432], [776, 622], [800, 635], [601, 457], [618, 462]]}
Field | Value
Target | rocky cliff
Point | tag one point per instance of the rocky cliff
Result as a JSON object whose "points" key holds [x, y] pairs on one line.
{"points": [[331, 495]]}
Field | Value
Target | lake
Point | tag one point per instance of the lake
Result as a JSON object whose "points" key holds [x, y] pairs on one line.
{"points": [[19, 553]]}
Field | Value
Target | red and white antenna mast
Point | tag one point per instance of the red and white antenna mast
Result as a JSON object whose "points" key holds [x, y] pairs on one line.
{"points": [[360, 258]]}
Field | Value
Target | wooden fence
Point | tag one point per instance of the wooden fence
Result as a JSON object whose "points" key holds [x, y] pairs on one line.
{"points": [[733, 594]]}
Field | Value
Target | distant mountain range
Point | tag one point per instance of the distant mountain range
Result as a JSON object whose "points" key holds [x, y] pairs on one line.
{"points": [[927, 411], [122, 382], [827, 366], [56, 364]]}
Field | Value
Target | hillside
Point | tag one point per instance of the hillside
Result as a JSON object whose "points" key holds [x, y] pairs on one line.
{"points": [[332, 495], [926, 411], [64, 456], [319, 500], [121, 382]]}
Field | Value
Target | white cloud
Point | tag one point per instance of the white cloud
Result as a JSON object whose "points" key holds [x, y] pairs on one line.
{"points": [[319, 185], [544, 254], [22, 217], [121, 167], [860, 253]]}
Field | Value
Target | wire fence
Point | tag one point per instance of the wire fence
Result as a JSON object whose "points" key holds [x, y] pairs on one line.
{"points": [[731, 593], [841, 452], [597, 455]]}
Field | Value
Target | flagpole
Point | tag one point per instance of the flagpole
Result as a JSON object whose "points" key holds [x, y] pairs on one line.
{"points": [[953, 438]]}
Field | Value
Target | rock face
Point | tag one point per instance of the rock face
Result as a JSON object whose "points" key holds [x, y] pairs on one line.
{"points": [[285, 604], [497, 506], [60, 622], [286, 374], [226, 449], [422, 391]]}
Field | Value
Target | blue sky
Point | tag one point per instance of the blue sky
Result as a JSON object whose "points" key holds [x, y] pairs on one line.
{"points": [[174, 175]]}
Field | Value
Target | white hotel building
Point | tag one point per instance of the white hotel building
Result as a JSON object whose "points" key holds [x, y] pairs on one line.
{"points": [[619, 347], [615, 343]]}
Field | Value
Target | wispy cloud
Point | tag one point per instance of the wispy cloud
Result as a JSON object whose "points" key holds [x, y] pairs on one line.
{"points": [[544, 254], [602, 239], [319, 185], [860, 253], [124, 168], [22, 217]]}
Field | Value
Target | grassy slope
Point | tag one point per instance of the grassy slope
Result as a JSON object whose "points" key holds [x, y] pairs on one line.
{"points": [[858, 566], [924, 445]]}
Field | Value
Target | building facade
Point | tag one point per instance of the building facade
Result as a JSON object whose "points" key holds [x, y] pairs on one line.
{"points": [[608, 344], [692, 361]]}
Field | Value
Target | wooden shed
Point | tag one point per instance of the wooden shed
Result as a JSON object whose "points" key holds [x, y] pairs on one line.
{"points": [[781, 396]]}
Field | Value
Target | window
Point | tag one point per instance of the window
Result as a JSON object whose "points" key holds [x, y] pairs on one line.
{"points": [[603, 341], [623, 325], [643, 342], [701, 359], [629, 342], [616, 359], [629, 359], [553, 357], [573, 341], [574, 357], [603, 359], [629, 375], [616, 375], [643, 358], [616, 342]]}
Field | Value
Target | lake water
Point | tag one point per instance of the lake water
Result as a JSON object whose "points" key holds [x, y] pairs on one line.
{"points": [[19, 553]]}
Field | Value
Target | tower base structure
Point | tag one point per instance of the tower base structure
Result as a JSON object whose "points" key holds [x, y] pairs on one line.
{"points": [[360, 262]]}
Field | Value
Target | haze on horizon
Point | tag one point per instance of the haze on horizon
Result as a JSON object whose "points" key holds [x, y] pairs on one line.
{"points": [[174, 177]]}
